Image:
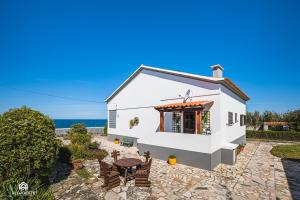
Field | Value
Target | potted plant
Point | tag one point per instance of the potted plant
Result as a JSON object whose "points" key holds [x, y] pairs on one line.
{"points": [[116, 141], [172, 160], [79, 153], [240, 148], [101, 154], [77, 164]]}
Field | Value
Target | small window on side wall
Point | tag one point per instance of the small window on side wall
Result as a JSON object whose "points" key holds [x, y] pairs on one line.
{"points": [[230, 118], [235, 118], [112, 118], [242, 120]]}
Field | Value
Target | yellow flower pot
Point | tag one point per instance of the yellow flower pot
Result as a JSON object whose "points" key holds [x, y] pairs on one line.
{"points": [[117, 141], [172, 161]]}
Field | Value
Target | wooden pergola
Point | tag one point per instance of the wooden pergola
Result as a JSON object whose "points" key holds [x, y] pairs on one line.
{"points": [[196, 106]]}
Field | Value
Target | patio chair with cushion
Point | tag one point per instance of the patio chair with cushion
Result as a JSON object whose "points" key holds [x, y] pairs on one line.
{"points": [[127, 142], [142, 175]]}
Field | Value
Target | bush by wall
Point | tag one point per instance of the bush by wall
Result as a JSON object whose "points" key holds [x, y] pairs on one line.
{"points": [[78, 135], [28, 146], [105, 130], [274, 135]]}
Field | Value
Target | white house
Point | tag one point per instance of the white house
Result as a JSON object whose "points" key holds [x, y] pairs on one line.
{"points": [[199, 119]]}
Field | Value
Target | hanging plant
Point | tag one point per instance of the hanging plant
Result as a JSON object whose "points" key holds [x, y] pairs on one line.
{"points": [[134, 122]]}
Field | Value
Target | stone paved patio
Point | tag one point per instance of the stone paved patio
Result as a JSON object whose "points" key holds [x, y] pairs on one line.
{"points": [[256, 175]]}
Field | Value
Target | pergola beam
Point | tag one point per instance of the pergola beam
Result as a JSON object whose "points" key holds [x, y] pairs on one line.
{"points": [[198, 122], [162, 121]]}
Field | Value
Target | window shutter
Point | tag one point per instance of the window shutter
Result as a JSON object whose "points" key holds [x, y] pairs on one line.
{"points": [[112, 118], [241, 120], [230, 118]]}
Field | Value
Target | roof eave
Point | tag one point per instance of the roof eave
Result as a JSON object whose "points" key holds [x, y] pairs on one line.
{"points": [[225, 81], [235, 89], [125, 82]]}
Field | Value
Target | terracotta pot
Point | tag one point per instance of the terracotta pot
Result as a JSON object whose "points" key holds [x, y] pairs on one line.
{"points": [[77, 164], [242, 148]]}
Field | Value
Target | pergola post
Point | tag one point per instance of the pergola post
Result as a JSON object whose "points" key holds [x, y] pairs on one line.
{"points": [[198, 122], [162, 122]]}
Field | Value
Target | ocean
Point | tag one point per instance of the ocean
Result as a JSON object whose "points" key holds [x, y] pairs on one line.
{"points": [[67, 123]]}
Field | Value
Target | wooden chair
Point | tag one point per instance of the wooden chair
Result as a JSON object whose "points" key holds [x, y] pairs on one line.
{"points": [[147, 155], [115, 155], [104, 168], [110, 175], [142, 175]]}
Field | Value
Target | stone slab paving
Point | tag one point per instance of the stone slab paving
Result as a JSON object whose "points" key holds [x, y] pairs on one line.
{"points": [[256, 175]]}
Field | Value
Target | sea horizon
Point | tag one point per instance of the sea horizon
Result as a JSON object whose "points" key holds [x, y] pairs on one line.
{"points": [[67, 123]]}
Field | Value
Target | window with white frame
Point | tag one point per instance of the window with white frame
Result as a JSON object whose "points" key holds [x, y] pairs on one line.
{"points": [[112, 118]]}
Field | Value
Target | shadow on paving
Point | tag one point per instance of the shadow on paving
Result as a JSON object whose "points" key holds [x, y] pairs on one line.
{"points": [[60, 172], [292, 171]]}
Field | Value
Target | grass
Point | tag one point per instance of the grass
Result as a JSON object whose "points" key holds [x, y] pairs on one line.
{"points": [[287, 151], [271, 140], [83, 173]]}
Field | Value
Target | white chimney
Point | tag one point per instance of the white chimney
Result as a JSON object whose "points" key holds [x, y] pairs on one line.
{"points": [[217, 71]]}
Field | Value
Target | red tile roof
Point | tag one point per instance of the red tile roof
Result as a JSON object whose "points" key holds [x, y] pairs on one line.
{"points": [[182, 105]]}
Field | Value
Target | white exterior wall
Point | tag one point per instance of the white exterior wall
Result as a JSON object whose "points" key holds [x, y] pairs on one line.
{"points": [[231, 103], [146, 90]]}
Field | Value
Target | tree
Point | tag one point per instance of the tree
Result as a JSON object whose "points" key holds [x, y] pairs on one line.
{"points": [[270, 116], [28, 146], [293, 118]]}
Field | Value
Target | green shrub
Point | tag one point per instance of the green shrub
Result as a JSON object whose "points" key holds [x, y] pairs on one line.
{"points": [[80, 152], [94, 145], [28, 146], [83, 173], [78, 135], [101, 154], [274, 135], [64, 154], [105, 130], [35, 192], [276, 128]]}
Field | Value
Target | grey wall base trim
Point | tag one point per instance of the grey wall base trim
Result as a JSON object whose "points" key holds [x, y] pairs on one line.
{"points": [[111, 137], [228, 156], [191, 158], [240, 140], [195, 159]]}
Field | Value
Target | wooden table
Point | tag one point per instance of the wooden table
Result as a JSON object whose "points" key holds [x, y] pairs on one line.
{"points": [[127, 163]]}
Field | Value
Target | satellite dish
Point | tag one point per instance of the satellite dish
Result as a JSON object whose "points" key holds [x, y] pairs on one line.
{"points": [[187, 95]]}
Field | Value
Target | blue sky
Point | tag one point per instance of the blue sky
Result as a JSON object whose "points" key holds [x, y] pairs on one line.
{"points": [[85, 49]]}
